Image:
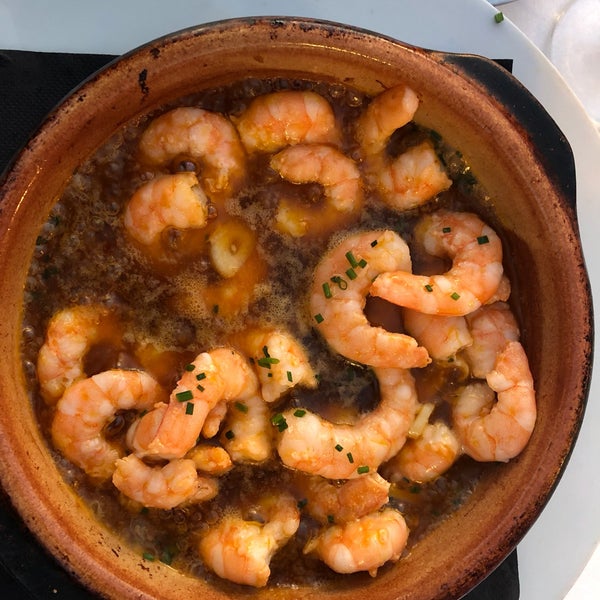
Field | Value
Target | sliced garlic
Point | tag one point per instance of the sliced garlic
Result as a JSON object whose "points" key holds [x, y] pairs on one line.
{"points": [[231, 243], [421, 420]]}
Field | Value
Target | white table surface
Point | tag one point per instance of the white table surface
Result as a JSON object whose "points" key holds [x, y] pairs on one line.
{"points": [[556, 558]]}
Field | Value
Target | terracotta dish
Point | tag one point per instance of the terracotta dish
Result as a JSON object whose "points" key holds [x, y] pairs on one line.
{"points": [[515, 150]]}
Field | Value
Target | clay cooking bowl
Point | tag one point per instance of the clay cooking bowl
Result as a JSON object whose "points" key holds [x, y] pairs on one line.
{"points": [[514, 149]]}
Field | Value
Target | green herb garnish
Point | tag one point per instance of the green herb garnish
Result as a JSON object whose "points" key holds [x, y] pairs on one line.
{"points": [[184, 396]]}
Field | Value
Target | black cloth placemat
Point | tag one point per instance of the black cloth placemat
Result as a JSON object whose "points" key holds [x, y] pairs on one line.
{"points": [[31, 84]]}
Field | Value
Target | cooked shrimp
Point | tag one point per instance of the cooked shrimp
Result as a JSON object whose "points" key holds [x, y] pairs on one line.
{"points": [[443, 337], [314, 445], [340, 286], [362, 545], [167, 201], [339, 177], [88, 406], [280, 360], [204, 136], [492, 327], [240, 550], [162, 487], [388, 111], [247, 433], [212, 460], [498, 431], [409, 180], [427, 457], [170, 430], [475, 275], [413, 177], [70, 335], [285, 118], [328, 501]]}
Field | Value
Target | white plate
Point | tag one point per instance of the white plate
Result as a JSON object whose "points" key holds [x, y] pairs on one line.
{"points": [[560, 543]]}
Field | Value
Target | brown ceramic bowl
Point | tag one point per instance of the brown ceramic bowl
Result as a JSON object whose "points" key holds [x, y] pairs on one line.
{"points": [[515, 150]]}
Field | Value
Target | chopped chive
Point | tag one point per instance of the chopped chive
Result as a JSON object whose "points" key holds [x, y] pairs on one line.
{"points": [[229, 434], [319, 318], [340, 282], [302, 503], [289, 376], [201, 376], [269, 374], [454, 296], [189, 367], [241, 407], [374, 243], [166, 557], [351, 274], [483, 239], [428, 287], [200, 388], [362, 263], [148, 556], [300, 412], [362, 470], [350, 258], [350, 457], [327, 290], [330, 519], [446, 229], [189, 408], [415, 489], [279, 421], [499, 17], [339, 448], [267, 361], [265, 350], [184, 396]]}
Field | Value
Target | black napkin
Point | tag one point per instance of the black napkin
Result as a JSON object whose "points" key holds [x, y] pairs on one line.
{"points": [[31, 84]]}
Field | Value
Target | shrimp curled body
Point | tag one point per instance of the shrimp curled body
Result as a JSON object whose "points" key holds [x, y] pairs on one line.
{"points": [[168, 201], [90, 404], [340, 286], [475, 275], [427, 457], [162, 487], [498, 429], [286, 118], [338, 175], [362, 545], [201, 135], [70, 335], [343, 451], [240, 550], [413, 177]]}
